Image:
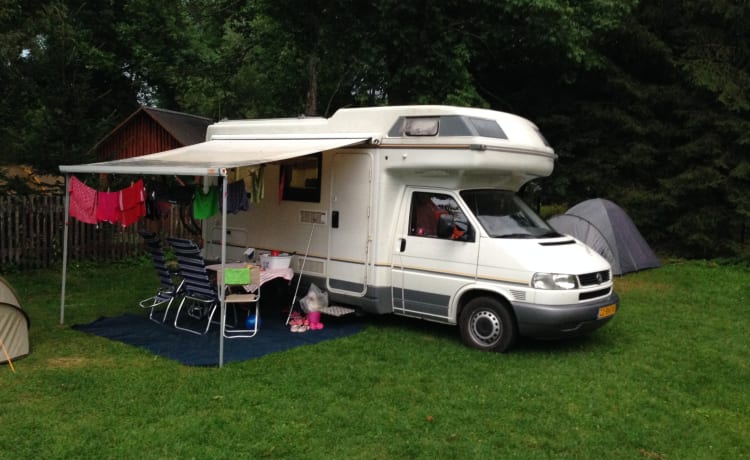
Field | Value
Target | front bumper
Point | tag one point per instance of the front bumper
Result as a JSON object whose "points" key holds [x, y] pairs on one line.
{"points": [[560, 321]]}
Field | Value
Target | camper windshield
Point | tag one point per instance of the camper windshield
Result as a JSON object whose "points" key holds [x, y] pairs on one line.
{"points": [[505, 215]]}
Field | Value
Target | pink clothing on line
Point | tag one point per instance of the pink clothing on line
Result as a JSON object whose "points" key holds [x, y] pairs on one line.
{"points": [[108, 208], [82, 203], [132, 203]]}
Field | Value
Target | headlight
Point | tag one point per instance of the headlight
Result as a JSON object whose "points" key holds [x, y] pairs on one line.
{"points": [[553, 281]]}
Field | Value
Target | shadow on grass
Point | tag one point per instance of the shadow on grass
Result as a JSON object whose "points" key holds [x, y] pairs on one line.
{"points": [[591, 341]]}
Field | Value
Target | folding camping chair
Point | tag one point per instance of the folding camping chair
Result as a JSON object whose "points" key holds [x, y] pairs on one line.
{"points": [[168, 290], [199, 292], [235, 279]]}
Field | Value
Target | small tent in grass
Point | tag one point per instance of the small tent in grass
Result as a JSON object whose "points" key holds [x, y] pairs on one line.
{"points": [[606, 228], [14, 324]]}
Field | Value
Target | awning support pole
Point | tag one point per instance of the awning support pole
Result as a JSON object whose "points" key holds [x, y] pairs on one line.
{"points": [[65, 248], [222, 287]]}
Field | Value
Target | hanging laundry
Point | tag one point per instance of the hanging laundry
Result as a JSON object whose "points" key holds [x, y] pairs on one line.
{"points": [[239, 173], [236, 197], [180, 194], [256, 184], [108, 207], [206, 204], [82, 203], [157, 196], [282, 181], [132, 203], [157, 190]]}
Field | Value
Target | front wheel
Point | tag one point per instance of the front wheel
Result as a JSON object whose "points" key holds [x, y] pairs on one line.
{"points": [[487, 324]]}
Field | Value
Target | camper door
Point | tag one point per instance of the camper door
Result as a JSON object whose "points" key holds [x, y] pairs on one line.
{"points": [[348, 240], [435, 254]]}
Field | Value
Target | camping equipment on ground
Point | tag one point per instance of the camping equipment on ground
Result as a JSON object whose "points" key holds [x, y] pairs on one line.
{"points": [[236, 278], [135, 329], [199, 292], [313, 303], [168, 290], [606, 228], [14, 325]]}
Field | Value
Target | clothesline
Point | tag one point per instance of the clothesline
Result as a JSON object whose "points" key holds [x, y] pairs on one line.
{"points": [[88, 205], [128, 205]]}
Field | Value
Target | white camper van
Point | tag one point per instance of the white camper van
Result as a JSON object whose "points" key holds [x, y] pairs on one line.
{"points": [[414, 213]]}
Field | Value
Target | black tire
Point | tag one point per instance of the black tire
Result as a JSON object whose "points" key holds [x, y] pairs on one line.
{"points": [[487, 324]]}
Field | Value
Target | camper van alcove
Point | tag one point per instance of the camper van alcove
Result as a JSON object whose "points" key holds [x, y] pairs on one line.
{"points": [[407, 210], [416, 215]]}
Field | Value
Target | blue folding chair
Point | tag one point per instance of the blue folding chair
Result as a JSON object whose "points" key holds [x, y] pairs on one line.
{"points": [[199, 297], [168, 290]]}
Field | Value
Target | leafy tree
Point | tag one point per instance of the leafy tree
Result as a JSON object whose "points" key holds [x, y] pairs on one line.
{"points": [[69, 86], [14, 33], [647, 105], [386, 51], [660, 134]]}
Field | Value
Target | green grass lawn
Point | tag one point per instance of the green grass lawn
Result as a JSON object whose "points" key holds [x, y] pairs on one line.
{"points": [[667, 378]]}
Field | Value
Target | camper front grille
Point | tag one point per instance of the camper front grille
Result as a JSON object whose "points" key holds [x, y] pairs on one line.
{"points": [[592, 279], [594, 294]]}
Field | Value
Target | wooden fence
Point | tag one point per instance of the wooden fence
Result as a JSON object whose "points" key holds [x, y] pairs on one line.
{"points": [[32, 229]]}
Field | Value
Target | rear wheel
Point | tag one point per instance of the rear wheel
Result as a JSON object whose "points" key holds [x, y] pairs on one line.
{"points": [[487, 324]]}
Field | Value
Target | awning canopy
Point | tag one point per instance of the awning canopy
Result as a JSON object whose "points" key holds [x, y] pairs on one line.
{"points": [[210, 158], [214, 157]]}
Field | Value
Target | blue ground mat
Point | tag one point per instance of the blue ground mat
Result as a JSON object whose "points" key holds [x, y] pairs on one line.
{"points": [[203, 350]]}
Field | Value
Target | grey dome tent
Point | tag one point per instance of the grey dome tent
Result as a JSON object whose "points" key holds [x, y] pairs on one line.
{"points": [[606, 228], [14, 324]]}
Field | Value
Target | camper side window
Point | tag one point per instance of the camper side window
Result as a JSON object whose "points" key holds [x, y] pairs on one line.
{"points": [[299, 179], [434, 215]]}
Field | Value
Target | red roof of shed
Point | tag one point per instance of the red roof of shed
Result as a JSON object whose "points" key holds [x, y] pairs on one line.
{"points": [[150, 130]]}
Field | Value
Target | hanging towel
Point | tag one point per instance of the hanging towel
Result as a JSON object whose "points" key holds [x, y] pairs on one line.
{"points": [[236, 197], [206, 204], [132, 203], [256, 184], [82, 201], [108, 207]]}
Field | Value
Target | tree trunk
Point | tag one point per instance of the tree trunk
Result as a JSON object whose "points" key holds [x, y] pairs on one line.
{"points": [[311, 103]]}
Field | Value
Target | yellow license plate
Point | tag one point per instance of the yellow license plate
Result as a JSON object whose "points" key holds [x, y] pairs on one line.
{"points": [[609, 310]]}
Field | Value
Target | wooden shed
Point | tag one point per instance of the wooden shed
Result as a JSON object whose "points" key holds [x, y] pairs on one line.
{"points": [[151, 130]]}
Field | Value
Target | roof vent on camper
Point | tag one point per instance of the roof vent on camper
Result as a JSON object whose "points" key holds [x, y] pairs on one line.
{"points": [[421, 126]]}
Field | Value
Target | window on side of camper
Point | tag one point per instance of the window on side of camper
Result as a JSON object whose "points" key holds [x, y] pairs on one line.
{"points": [[435, 215], [447, 126], [488, 128], [299, 178]]}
